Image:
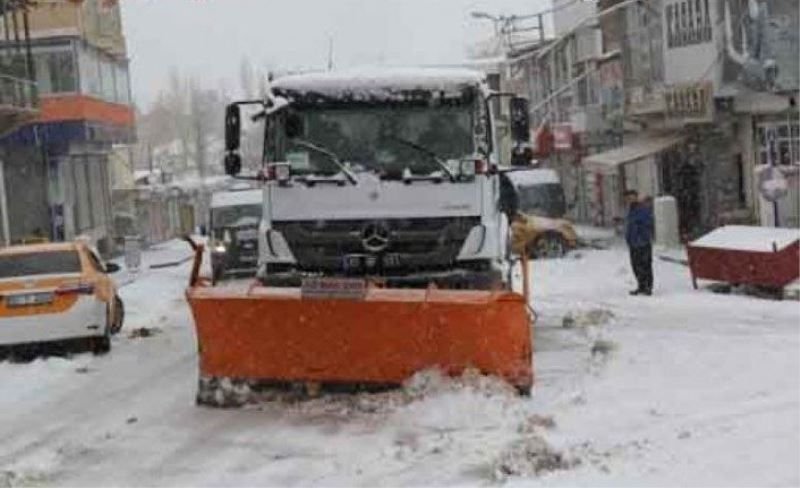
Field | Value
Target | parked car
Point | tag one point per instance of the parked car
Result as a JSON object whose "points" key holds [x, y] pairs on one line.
{"points": [[536, 201], [57, 293], [234, 220]]}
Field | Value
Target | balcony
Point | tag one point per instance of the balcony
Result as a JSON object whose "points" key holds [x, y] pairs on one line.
{"points": [[18, 92], [18, 102]]}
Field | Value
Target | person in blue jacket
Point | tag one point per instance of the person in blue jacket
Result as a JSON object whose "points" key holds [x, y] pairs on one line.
{"points": [[639, 236]]}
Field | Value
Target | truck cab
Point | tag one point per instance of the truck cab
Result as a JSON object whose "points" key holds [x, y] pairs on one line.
{"points": [[383, 174]]}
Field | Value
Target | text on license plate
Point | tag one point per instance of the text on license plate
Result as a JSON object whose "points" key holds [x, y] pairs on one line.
{"points": [[24, 299], [344, 288]]}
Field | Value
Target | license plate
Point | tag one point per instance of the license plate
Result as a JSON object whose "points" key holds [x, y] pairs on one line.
{"points": [[342, 288], [27, 299], [247, 259], [247, 235]]}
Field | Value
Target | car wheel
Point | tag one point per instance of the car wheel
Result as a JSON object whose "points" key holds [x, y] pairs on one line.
{"points": [[119, 315], [549, 246]]}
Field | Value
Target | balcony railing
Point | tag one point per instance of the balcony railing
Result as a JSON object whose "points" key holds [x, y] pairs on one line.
{"points": [[18, 93]]}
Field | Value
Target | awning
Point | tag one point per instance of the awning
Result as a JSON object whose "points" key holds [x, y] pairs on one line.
{"points": [[633, 149]]}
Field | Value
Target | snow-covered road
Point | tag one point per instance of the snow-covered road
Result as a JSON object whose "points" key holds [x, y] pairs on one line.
{"points": [[683, 388]]}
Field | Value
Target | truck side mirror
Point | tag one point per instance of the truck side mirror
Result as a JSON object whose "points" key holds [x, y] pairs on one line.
{"points": [[520, 120], [233, 128]]}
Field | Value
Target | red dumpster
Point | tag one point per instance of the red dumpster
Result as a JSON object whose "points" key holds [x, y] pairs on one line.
{"points": [[737, 254]]}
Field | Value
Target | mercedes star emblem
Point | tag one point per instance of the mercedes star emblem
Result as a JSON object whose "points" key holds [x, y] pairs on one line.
{"points": [[375, 237]]}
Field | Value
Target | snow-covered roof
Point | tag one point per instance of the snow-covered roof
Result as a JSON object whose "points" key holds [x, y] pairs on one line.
{"points": [[533, 177], [748, 238], [378, 82], [234, 198]]}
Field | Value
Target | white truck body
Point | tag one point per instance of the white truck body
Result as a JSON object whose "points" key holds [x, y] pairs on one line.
{"points": [[308, 210]]}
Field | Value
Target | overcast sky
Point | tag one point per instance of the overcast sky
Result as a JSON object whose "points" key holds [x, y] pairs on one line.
{"points": [[209, 38]]}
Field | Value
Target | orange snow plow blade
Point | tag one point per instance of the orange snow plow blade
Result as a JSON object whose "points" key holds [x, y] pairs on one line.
{"points": [[383, 336]]}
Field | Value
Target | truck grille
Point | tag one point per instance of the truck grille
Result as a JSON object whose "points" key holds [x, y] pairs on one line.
{"points": [[410, 244]]}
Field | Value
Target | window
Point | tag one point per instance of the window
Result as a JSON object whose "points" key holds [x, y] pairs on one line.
{"points": [[688, 22], [39, 263], [103, 77], [787, 142], [121, 79], [55, 68]]}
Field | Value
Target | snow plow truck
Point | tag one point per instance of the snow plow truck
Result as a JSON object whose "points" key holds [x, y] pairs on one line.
{"points": [[383, 245]]}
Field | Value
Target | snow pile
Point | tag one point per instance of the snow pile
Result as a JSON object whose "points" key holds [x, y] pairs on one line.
{"points": [[531, 456]]}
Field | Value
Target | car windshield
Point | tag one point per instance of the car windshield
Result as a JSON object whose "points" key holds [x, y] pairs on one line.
{"points": [[383, 138], [39, 263], [235, 215], [545, 200]]}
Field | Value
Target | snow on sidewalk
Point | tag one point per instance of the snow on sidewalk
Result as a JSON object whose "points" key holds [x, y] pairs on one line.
{"points": [[682, 388]]}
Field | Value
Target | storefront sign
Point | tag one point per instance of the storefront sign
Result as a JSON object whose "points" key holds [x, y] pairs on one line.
{"points": [[562, 136]]}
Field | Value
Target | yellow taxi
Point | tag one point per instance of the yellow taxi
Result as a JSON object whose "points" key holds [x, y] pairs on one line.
{"points": [[535, 199], [58, 292]]}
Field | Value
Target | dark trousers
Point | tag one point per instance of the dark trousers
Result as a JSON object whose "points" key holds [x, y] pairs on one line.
{"points": [[642, 263]]}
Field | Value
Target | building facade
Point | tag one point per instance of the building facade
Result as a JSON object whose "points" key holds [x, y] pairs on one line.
{"points": [[710, 96], [57, 176]]}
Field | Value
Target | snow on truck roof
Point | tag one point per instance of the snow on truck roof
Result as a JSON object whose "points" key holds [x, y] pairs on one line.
{"points": [[376, 82], [235, 198]]}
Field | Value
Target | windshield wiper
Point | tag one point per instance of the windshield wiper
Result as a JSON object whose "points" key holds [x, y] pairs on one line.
{"points": [[331, 155], [424, 150]]}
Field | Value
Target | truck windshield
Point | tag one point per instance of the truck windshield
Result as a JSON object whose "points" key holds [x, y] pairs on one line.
{"points": [[370, 138], [234, 215], [544, 200]]}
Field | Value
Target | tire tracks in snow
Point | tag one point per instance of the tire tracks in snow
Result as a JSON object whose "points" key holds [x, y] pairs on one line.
{"points": [[77, 413]]}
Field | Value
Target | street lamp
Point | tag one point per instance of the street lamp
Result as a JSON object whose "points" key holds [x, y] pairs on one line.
{"points": [[496, 21], [483, 15]]}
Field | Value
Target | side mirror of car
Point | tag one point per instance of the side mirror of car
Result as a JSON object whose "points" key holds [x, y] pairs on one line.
{"points": [[112, 267]]}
